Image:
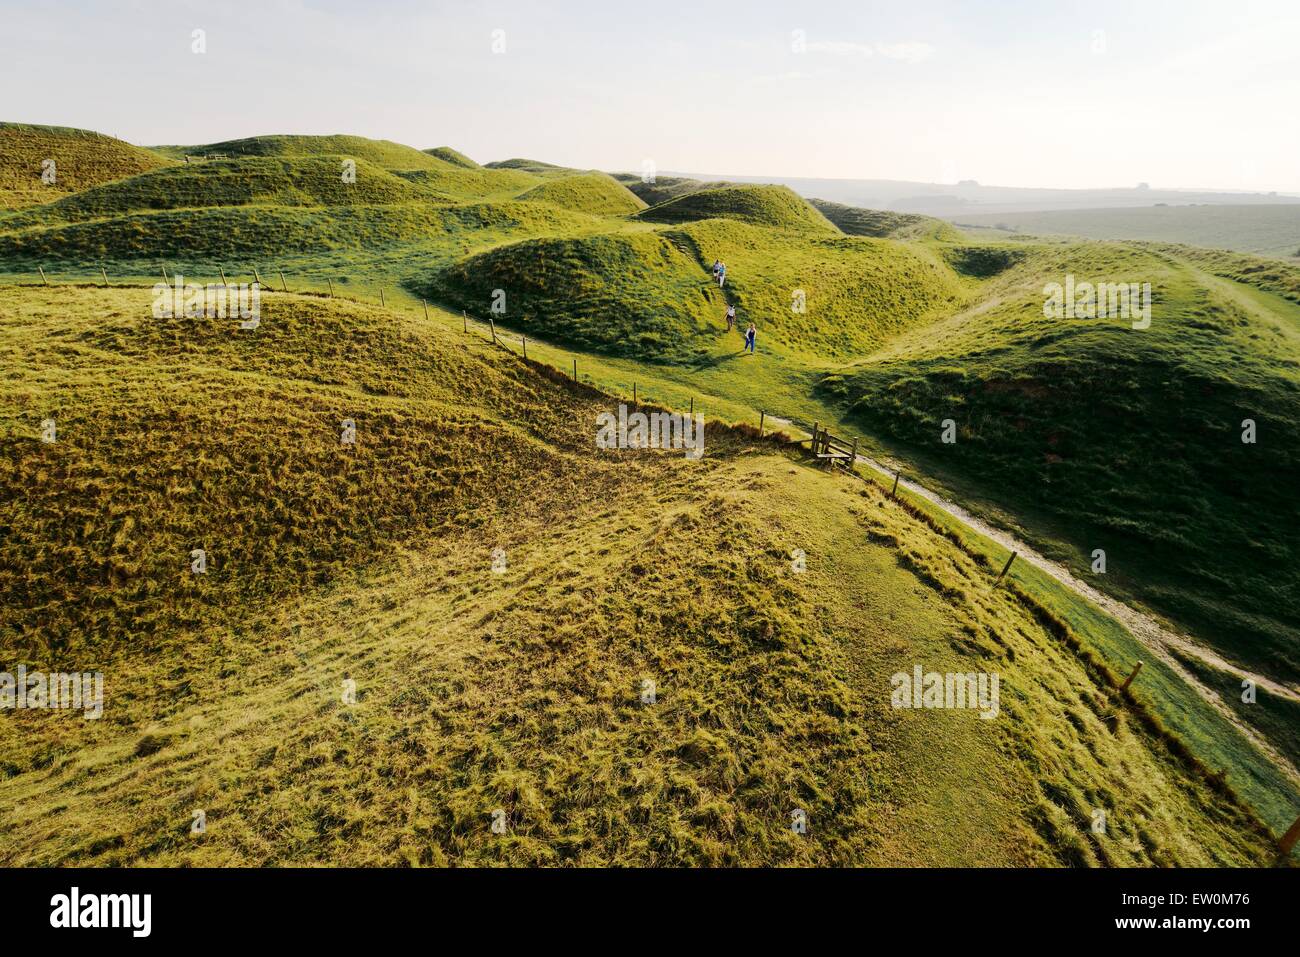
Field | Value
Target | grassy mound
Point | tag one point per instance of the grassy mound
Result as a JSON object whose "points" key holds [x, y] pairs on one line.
{"points": [[665, 188], [385, 153], [834, 297], [454, 157], [883, 224], [270, 233], [290, 181], [594, 193], [82, 159], [1128, 440], [536, 167], [775, 206], [518, 693], [630, 295]]}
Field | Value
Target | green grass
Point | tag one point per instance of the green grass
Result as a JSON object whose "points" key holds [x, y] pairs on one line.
{"points": [[454, 157], [1076, 434], [1121, 439], [772, 206], [626, 294], [384, 153], [81, 159], [517, 691], [882, 224], [594, 193]]}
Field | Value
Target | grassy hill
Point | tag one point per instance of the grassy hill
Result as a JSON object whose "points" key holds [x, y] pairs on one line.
{"points": [[633, 294], [594, 193], [1122, 439], [1266, 230], [82, 159], [281, 181], [856, 293], [270, 234], [385, 153], [517, 692], [454, 157], [665, 188], [883, 224], [772, 206], [536, 167]]}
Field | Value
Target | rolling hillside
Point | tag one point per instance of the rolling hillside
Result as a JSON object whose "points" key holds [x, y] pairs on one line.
{"points": [[594, 193], [1122, 439], [81, 159], [1072, 434], [519, 692], [770, 206], [389, 155]]}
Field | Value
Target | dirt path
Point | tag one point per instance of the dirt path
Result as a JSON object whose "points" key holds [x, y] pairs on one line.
{"points": [[1153, 635]]}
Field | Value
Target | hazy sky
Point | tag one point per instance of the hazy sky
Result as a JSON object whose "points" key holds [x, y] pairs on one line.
{"points": [[1186, 93]]}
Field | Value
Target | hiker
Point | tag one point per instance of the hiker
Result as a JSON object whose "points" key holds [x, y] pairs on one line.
{"points": [[749, 338], [717, 264], [731, 317], [722, 274]]}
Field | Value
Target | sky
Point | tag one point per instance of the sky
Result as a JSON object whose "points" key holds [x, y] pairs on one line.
{"points": [[1179, 94]]}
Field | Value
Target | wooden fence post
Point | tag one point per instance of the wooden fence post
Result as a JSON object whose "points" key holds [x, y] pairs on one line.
{"points": [[1129, 680], [853, 457], [104, 272], [493, 325], [575, 370], [283, 285], [43, 279], [426, 309], [1005, 569], [1289, 838], [634, 393], [692, 405], [894, 491], [524, 340], [166, 278], [331, 282], [223, 276], [762, 417], [464, 321], [813, 446], [381, 296]]}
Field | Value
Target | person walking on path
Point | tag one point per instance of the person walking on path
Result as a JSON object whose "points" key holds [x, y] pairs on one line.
{"points": [[717, 264], [750, 333], [731, 317], [722, 275]]}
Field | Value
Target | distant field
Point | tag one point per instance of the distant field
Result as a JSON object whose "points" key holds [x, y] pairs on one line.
{"points": [[1264, 230]]}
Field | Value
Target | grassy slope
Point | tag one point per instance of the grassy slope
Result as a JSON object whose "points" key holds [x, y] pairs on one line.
{"points": [[385, 153], [1261, 229], [518, 691], [276, 181], [632, 293], [594, 193], [774, 206], [1057, 419], [883, 224], [452, 156], [82, 159]]}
